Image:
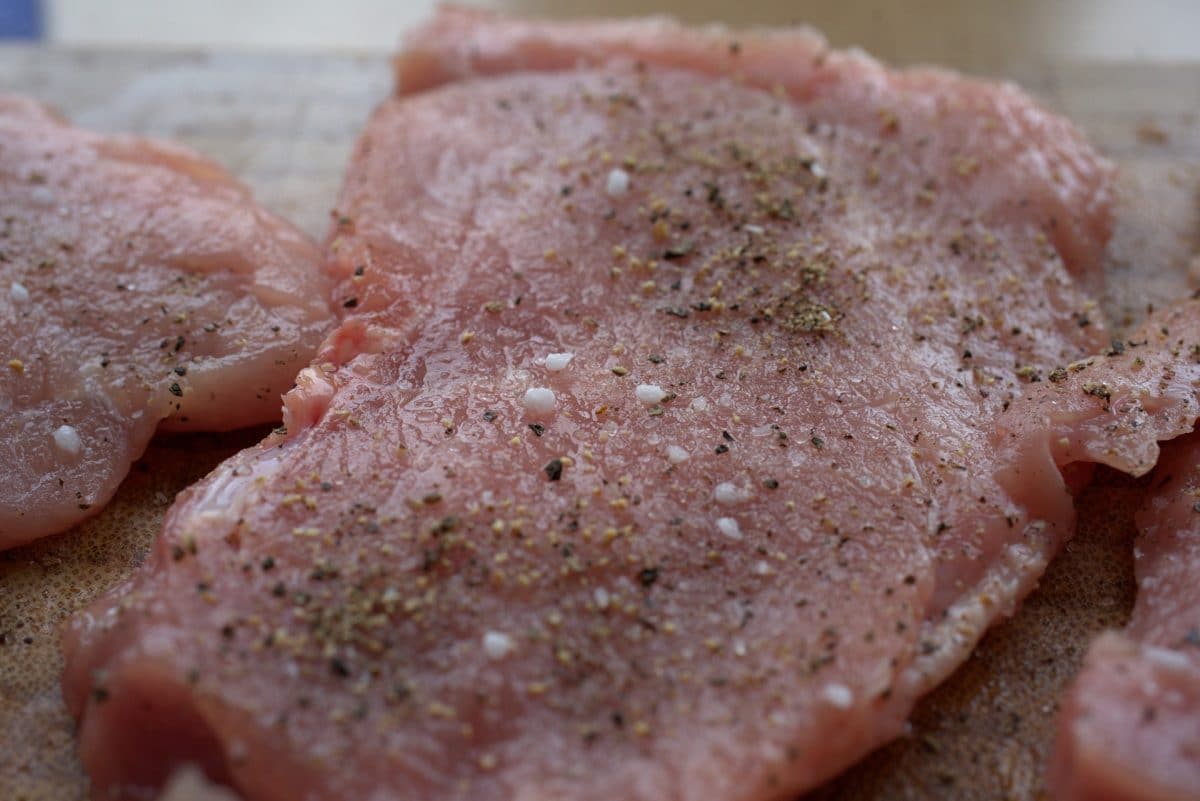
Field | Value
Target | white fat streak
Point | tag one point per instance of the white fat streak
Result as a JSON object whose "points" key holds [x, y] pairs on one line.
{"points": [[729, 527], [650, 393], [838, 695], [558, 361], [676, 454], [67, 439], [497, 644], [539, 399], [618, 183], [757, 230], [19, 293], [727, 492]]}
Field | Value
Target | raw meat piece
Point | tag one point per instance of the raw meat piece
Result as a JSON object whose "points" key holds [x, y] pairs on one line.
{"points": [[1129, 729], [653, 457], [139, 285]]}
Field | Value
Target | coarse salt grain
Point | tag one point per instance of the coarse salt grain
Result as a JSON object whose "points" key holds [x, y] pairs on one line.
{"points": [[676, 454], [497, 644], [42, 195], [729, 527], [539, 399], [19, 293], [838, 695], [618, 183], [699, 404], [558, 361], [67, 439], [650, 393], [727, 492], [601, 597]]}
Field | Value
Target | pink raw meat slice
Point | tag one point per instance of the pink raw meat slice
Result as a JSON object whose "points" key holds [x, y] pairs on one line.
{"points": [[654, 455], [1129, 729], [139, 285]]}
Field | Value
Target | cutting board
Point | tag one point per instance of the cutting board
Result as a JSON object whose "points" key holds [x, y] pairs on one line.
{"points": [[285, 124]]}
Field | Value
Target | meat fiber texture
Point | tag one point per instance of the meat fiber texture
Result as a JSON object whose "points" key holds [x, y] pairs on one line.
{"points": [[655, 456], [140, 287], [1128, 729]]}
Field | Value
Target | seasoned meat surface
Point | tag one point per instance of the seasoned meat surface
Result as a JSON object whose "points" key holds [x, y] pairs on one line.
{"points": [[139, 286]]}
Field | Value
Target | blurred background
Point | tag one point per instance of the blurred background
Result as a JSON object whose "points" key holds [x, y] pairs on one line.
{"points": [[978, 35]]}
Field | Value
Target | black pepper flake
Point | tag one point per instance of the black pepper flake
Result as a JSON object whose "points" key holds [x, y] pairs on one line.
{"points": [[175, 390], [818, 443], [1098, 390], [537, 428], [100, 694], [490, 415], [268, 563], [339, 668], [360, 269], [350, 303], [725, 435], [1058, 375], [770, 483], [554, 469], [1196, 507], [675, 311], [654, 358], [179, 343], [722, 448], [647, 576], [181, 370]]}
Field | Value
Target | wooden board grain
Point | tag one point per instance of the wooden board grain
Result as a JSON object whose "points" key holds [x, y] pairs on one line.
{"points": [[285, 124]]}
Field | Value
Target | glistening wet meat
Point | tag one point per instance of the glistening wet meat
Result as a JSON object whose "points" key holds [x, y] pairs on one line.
{"points": [[139, 285], [653, 457]]}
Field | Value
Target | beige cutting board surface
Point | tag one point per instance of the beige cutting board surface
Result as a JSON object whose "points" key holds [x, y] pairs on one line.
{"points": [[285, 124]]}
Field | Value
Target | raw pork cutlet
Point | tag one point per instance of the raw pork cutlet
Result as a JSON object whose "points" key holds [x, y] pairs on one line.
{"points": [[651, 459], [1128, 730], [956, 157], [139, 286]]}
